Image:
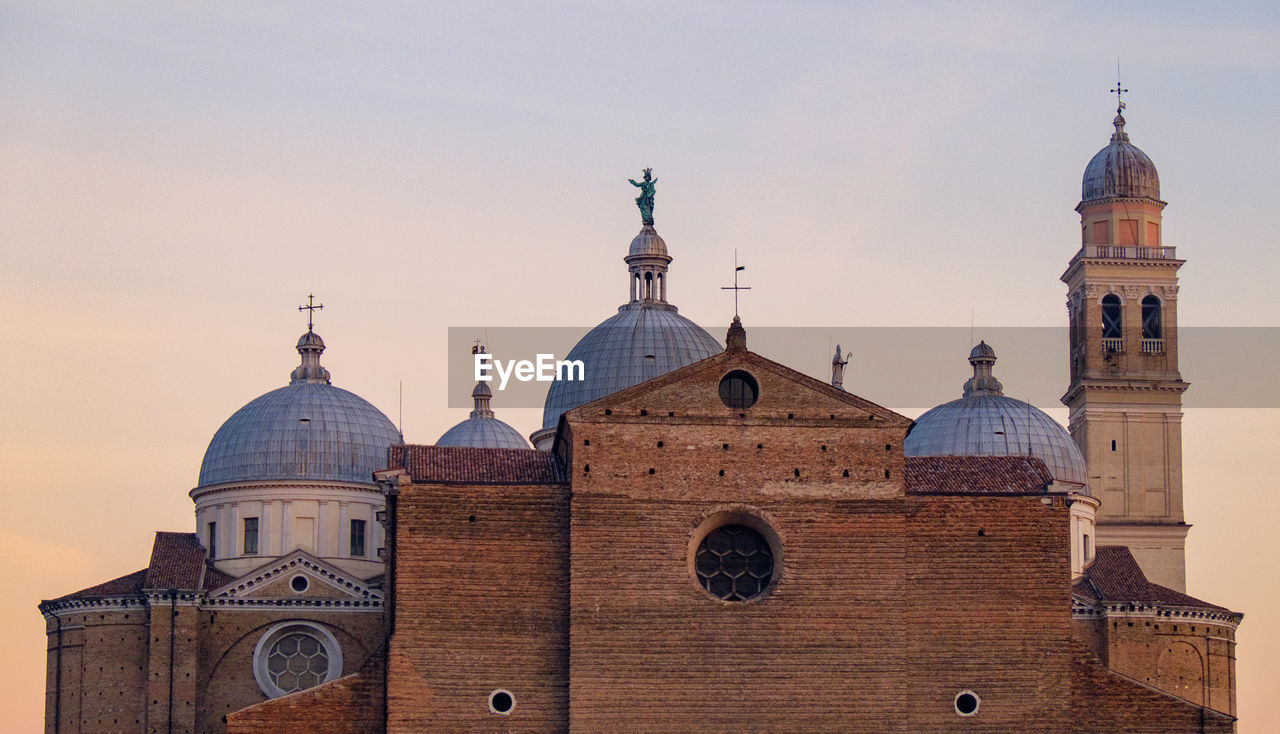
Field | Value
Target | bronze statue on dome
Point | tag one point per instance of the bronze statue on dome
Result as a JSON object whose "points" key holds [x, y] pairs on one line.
{"points": [[645, 199]]}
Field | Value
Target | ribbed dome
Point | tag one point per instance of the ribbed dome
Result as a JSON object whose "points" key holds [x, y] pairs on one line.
{"points": [[484, 433], [648, 242], [987, 423], [307, 430], [614, 355], [482, 429], [1120, 170]]}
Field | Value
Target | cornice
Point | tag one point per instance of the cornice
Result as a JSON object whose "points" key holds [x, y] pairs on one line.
{"points": [[290, 485]]}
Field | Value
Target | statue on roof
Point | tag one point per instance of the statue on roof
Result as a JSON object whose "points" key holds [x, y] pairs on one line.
{"points": [[837, 369], [645, 199]]}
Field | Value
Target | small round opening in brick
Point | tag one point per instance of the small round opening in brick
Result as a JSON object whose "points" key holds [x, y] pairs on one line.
{"points": [[739, 390], [967, 703], [734, 562], [299, 584], [501, 702]]}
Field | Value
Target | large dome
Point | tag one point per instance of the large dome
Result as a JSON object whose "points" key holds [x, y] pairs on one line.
{"points": [[482, 429], [1120, 170], [640, 342], [985, 422], [307, 430]]}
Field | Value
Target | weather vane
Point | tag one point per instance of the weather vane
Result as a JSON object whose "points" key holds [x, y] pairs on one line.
{"points": [[735, 287], [1119, 90], [311, 309]]}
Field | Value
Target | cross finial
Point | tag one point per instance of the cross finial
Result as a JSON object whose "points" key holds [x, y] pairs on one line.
{"points": [[735, 287], [311, 309], [1119, 90], [478, 347]]}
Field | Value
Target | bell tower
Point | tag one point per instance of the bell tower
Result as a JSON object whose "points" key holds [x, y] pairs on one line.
{"points": [[1125, 395]]}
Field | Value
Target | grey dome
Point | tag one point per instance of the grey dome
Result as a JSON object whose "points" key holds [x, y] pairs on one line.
{"points": [[614, 355], [648, 242], [485, 433], [646, 338], [307, 430], [482, 429], [985, 422], [982, 351], [1120, 170]]}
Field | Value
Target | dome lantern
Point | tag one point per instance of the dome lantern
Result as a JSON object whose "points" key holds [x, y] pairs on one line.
{"points": [[986, 422], [482, 429], [646, 338]]}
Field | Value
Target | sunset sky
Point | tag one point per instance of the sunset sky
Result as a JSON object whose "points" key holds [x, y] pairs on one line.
{"points": [[175, 178]]}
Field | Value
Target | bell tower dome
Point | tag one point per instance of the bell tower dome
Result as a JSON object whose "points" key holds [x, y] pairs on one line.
{"points": [[1125, 395]]}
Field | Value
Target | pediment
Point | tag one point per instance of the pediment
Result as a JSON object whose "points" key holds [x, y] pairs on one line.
{"points": [[274, 580], [692, 392]]}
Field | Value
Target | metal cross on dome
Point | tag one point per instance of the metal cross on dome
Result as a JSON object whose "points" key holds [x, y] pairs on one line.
{"points": [[735, 287], [1119, 90], [311, 309]]}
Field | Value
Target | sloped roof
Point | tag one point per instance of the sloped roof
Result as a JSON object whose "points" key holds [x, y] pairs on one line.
{"points": [[468, 465], [1115, 576], [127, 584], [177, 562], [976, 475]]}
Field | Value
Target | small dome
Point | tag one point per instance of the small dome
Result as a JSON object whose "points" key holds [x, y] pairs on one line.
{"points": [[982, 351], [1120, 170], [638, 343], [310, 339], [648, 242], [484, 432], [308, 430], [985, 422]]}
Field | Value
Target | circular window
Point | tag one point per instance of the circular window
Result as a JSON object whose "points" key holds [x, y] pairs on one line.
{"points": [[501, 702], [734, 562], [967, 703], [299, 584], [739, 390], [294, 656]]}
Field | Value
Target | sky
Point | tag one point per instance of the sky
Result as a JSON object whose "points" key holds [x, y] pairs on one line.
{"points": [[175, 178]]}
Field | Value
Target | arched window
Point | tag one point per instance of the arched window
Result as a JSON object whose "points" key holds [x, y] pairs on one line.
{"points": [[1111, 321], [1151, 318]]}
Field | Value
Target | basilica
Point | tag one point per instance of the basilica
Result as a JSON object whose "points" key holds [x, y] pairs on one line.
{"points": [[698, 538]]}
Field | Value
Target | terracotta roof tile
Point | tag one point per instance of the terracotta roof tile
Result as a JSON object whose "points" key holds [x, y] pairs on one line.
{"points": [[466, 465], [129, 584], [215, 579], [1115, 576], [177, 562], [976, 475]]}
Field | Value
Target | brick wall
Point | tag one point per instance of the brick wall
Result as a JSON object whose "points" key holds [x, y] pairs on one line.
{"points": [[171, 659], [103, 656], [481, 604], [988, 584], [226, 644], [1192, 659], [352, 704], [1105, 701]]}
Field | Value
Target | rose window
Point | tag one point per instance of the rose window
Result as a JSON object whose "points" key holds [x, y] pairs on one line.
{"points": [[734, 562], [297, 661]]}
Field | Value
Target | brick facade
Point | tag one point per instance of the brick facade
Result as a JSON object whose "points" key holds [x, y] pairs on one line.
{"points": [[569, 581]]}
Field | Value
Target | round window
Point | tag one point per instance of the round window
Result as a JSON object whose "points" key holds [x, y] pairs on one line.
{"points": [[294, 656], [501, 702], [967, 703], [734, 562], [299, 584], [739, 390]]}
